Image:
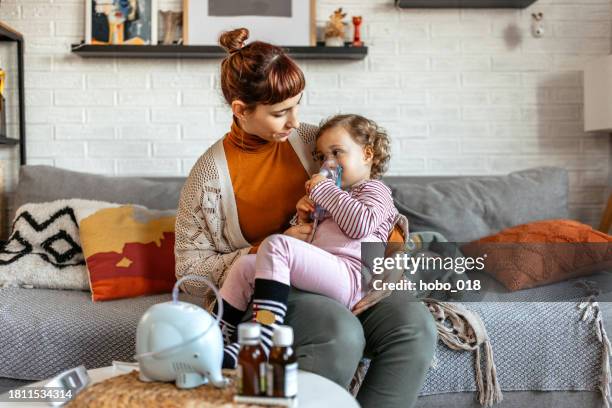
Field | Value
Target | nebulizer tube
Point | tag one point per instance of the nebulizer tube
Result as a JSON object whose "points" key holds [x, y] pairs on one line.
{"points": [[333, 171], [175, 294]]}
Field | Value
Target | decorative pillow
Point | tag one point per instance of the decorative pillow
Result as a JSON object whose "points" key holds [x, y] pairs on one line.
{"points": [[129, 251], [544, 252], [44, 249]]}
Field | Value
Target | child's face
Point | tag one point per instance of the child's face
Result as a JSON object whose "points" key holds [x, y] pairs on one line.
{"points": [[356, 160]]}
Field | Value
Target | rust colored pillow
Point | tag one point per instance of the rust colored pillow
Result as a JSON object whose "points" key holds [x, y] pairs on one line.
{"points": [[542, 252]]}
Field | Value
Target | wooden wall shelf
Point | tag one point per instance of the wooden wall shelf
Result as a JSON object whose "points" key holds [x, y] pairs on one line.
{"points": [[8, 141], [464, 3], [209, 51]]}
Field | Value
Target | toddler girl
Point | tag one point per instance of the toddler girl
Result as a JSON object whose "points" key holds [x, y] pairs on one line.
{"points": [[361, 210]]}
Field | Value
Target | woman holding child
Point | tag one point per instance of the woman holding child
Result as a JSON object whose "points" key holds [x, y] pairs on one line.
{"points": [[233, 227]]}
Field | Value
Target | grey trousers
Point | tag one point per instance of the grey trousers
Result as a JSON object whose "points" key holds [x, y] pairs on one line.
{"points": [[398, 334]]}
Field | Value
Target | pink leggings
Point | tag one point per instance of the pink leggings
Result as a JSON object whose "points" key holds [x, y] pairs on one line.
{"points": [[293, 262]]}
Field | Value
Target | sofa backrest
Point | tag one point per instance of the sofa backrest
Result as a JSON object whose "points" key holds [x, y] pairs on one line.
{"points": [[460, 207], [46, 183], [39, 183], [467, 208]]}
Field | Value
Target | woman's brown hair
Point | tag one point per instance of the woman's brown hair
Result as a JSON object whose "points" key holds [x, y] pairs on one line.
{"points": [[367, 133], [257, 73]]}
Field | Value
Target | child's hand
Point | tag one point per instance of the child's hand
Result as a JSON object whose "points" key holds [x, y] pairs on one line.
{"points": [[314, 180], [300, 232], [305, 206]]}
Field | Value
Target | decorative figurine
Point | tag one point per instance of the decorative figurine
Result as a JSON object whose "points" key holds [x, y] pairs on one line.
{"points": [[357, 32], [334, 30], [172, 20]]}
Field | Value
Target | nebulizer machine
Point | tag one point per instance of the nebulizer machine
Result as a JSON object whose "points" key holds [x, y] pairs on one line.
{"points": [[175, 341], [181, 342]]}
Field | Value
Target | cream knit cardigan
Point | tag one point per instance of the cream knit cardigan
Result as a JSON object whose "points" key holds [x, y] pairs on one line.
{"points": [[208, 235]]}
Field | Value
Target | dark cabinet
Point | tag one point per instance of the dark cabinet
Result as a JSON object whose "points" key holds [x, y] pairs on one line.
{"points": [[8, 35]]}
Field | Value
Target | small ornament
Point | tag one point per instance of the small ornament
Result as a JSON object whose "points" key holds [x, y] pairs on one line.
{"points": [[334, 30], [172, 20], [537, 26], [357, 32]]}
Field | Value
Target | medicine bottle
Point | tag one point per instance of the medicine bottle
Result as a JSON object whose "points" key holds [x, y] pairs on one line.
{"points": [[282, 365], [251, 368]]}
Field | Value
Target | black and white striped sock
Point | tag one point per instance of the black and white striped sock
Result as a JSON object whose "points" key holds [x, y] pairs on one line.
{"points": [[229, 321], [230, 355], [269, 308]]}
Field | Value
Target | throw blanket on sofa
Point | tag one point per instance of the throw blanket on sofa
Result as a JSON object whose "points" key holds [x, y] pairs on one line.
{"points": [[538, 346], [462, 330]]}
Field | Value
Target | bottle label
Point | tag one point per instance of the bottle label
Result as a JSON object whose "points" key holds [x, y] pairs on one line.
{"points": [[270, 382], [239, 379], [291, 380], [262, 378]]}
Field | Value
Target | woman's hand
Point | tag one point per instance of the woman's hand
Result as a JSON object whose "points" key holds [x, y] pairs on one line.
{"points": [[304, 208], [300, 232], [314, 180]]}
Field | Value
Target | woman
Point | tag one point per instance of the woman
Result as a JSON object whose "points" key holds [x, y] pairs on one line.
{"points": [[245, 187]]}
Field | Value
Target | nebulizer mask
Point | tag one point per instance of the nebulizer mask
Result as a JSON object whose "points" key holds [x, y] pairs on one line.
{"points": [[332, 170]]}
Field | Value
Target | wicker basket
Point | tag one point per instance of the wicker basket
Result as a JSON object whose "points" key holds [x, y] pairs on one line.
{"points": [[128, 391]]}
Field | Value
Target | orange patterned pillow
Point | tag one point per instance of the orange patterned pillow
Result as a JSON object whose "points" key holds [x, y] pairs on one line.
{"points": [[542, 252], [129, 251]]}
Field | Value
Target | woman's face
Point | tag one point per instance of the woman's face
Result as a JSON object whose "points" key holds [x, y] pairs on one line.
{"points": [[273, 123]]}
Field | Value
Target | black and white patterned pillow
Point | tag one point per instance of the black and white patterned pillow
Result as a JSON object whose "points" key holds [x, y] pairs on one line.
{"points": [[44, 249]]}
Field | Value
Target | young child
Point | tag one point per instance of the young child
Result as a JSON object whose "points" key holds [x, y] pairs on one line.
{"points": [[361, 211]]}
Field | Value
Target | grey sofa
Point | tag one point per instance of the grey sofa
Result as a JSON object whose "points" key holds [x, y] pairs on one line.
{"points": [[43, 332]]}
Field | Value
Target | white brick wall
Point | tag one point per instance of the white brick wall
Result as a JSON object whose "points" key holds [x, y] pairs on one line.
{"points": [[461, 92]]}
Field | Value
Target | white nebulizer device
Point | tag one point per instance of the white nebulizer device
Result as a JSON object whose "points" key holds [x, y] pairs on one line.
{"points": [[181, 342], [333, 171]]}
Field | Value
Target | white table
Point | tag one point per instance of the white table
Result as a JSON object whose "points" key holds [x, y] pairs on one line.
{"points": [[314, 391]]}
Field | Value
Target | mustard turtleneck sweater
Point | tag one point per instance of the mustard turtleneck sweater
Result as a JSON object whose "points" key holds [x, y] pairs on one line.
{"points": [[268, 180]]}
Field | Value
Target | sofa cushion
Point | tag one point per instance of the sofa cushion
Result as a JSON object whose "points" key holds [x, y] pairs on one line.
{"points": [[43, 332], [542, 252], [129, 251], [45, 183], [469, 208], [44, 247]]}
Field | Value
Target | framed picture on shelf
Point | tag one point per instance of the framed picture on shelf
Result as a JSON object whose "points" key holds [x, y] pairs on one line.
{"points": [[116, 22], [281, 22]]}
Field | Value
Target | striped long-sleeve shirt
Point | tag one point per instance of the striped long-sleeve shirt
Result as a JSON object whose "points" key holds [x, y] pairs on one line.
{"points": [[364, 210]]}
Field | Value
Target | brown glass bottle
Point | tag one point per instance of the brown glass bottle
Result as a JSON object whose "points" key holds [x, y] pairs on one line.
{"points": [[251, 369], [282, 365]]}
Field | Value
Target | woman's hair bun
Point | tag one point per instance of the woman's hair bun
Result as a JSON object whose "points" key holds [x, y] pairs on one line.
{"points": [[233, 40]]}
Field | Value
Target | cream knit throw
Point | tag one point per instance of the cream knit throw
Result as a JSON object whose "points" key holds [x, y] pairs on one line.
{"points": [[460, 329]]}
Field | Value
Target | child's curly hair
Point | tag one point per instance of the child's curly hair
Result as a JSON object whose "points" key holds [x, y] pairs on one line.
{"points": [[367, 133]]}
